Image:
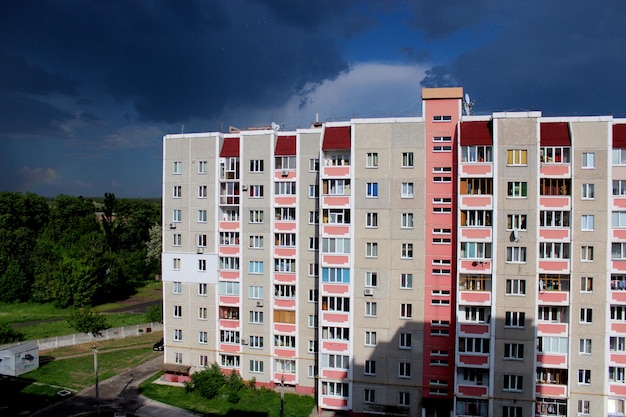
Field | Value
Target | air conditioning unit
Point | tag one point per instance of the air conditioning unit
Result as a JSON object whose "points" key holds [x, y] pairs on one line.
{"points": [[285, 173], [200, 250], [172, 225], [259, 303], [244, 187], [369, 291], [244, 342]]}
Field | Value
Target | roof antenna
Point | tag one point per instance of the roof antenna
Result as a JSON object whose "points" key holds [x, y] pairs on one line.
{"points": [[467, 105], [182, 129]]}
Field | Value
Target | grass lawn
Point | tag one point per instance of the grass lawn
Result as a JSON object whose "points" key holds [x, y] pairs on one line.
{"points": [[258, 402]]}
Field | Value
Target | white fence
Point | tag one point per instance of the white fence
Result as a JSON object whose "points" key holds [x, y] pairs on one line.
{"points": [[79, 338]]}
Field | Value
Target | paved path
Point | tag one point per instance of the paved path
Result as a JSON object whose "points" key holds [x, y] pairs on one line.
{"points": [[118, 393]]}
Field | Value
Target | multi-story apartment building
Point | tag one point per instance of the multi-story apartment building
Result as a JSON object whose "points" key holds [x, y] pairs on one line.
{"points": [[440, 265]]}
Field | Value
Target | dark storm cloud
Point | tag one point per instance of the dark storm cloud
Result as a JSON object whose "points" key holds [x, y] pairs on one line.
{"points": [[560, 60]]}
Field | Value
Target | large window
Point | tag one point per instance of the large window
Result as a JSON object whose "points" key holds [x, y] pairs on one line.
{"points": [[476, 186], [554, 250], [555, 186], [555, 155], [476, 218], [517, 189], [372, 190], [475, 250], [517, 157], [516, 254], [476, 154], [554, 218], [515, 286]]}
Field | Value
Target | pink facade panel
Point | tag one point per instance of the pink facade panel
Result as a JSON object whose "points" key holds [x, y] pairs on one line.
{"points": [[278, 175], [286, 200], [229, 275], [285, 328], [229, 300], [476, 170], [339, 347], [554, 297], [475, 297], [230, 348], [552, 360], [552, 390], [335, 403], [556, 267], [618, 266], [287, 378], [618, 296], [554, 234], [285, 226], [618, 358], [616, 389], [551, 202], [285, 252], [555, 170], [336, 231], [230, 250], [335, 260], [618, 327], [619, 203], [285, 353], [338, 289], [336, 171], [335, 201], [333, 374], [476, 265], [229, 324], [335, 318], [476, 233], [474, 329], [474, 360], [619, 234], [285, 304], [226, 226], [472, 390], [552, 329], [284, 278], [476, 201]]}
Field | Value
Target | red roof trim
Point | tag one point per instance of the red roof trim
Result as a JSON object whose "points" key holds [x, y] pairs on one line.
{"points": [[619, 136], [336, 138], [554, 134], [476, 133], [285, 146], [230, 148]]}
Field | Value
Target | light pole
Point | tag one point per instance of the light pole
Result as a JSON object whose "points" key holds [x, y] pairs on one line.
{"points": [[95, 368], [282, 395]]}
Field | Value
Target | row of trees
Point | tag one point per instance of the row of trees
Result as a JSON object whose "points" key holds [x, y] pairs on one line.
{"points": [[74, 251]]}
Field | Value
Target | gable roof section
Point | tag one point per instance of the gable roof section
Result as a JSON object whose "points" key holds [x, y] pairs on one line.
{"points": [[336, 138]]}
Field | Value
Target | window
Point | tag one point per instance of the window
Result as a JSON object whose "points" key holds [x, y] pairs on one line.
{"points": [[335, 304], [371, 219], [256, 317], [369, 396], [256, 191], [335, 333], [177, 216], [587, 221], [477, 218], [202, 289], [256, 216], [256, 267], [587, 254], [513, 383], [555, 186], [586, 284], [178, 191], [284, 265], [555, 155], [513, 351], [583, 407], [178, 358], [617, 374], [201, 216], [515, 286], [371, 279], [618, 219], [586, 315], [589, 160], [587, 192], [178, 335], [202, 313], [178, 239], [407, 160], [313, 191], [554, 219], [202, 191], [202, 167], [404, 399], [371, 160], [405, 341], [371, 250], [477, 186], [335, 245], [256, 242], [406, 281], [514, 319], [517, 189], [370, 367], [178, 168], [476, 154], [516, 222], [285, 188], [372, 190], [313, 270], [228, 288], [444, 118], [285, 162], [255, 292], [312, 321], [314, 165], [229, 263], [335, 275], [554, 250], [176, 262], [177, 287], [203, 337], [516, 254], [517, 157], [475, 314], [256, 366], [407, 190], [229, 361], [475, 250], [370, 309], [284, 341], [619, 187], [618, 313], [511, 411], [584, 346], [584, 376], [256, 165], [335, 361], [404, 370], [314, 217], [473, 345], [178, 311], [285, 239], [407, 251], [201, 264], [618, 250], [406, 311], [335, 389], [370, 338], [336, 187], [406, 221]]}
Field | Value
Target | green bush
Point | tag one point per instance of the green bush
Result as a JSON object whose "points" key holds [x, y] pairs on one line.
{"points": [[208, 382]]}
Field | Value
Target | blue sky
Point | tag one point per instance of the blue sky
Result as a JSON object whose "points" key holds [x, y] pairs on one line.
{"points": [[88, 88]]}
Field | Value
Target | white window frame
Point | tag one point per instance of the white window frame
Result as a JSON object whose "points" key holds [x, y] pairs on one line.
{"points": [[408, 160], [177, 168], [587, 192], [406, 221], [587, 222], [371, 160], [588, 160], [371, 250], [407, 190]]}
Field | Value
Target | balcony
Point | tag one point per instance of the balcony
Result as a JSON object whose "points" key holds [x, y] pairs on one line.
{"points": [[551, 382]]}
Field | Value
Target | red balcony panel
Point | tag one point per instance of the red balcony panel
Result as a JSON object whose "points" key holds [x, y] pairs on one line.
{"points": [[336, 201], [339, 289], [555, 170], [230, 275], [284, 226], [618, 358], [619, 234], [618, 266], [552, 329], [285, 200], [552, 359], [617, 389], [335, 260], [285, 252], [474, 329], [333, 374], [285, 328], [554, 202], [477, 170], [551, 390], [285, 353], [472, 390], [475, 297], [618, 327], [336, 171], [554, 297], [230, 347], [551, 266], [476, 233], [478, 201], [338, 347], [618, 296], [475, 360], [278, 175], [336, 318], [554, 234], [229, 226], [229, 324], [282, 303], [335, 230], [229, 250], [333, 402], [284, 278], [476, 265], [231, 300], [619, 203]]}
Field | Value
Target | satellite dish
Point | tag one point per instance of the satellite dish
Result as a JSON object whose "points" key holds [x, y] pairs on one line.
{"points": [[467, 104], [514, 235], [467, 100], [275, 126]]}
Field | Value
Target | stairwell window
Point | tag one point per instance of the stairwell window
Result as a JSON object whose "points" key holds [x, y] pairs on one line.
{"points": [[408, 160], [371, 160], [589, 160], [517, 157], [372, 190], [407, 190], [517, 189], [370, 367]]}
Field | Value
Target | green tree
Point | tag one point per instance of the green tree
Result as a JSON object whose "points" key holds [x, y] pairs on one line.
{"points": [[154, 245], [9, 335], [234, 387], [85, 320], [154, 313], [208, 382]]}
